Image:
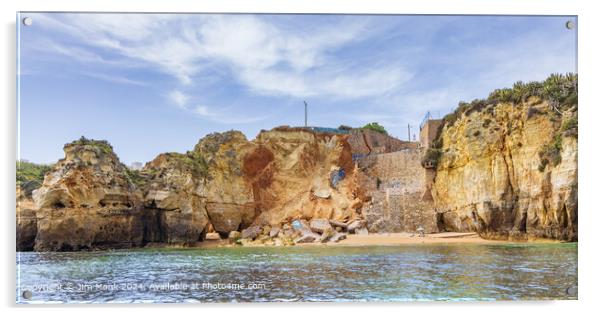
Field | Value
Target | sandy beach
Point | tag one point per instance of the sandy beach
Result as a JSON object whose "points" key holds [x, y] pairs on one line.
{"points": [[409, 238], [385, 239]]}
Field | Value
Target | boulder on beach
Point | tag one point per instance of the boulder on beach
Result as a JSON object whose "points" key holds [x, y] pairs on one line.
{"points": [[327, 234], [336, 223], [274, 232], [251, 232], [361, 231], [338, 237], [307, 238], [234, 235], [212, 236], [319, 225], [357, 224]]}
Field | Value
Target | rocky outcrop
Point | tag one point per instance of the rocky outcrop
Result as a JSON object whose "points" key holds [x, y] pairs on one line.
{"points": [[505, 167], [494, 175], [172, 186], [26, 222], [87, 202], [228, 195], [226, 183], [295, 176]]}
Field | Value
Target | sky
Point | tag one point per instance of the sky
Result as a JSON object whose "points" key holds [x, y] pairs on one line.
{"points": [[153, 83]]}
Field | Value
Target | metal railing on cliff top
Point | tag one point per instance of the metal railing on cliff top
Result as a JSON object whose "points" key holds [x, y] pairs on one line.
{"points": [[425, 119]]}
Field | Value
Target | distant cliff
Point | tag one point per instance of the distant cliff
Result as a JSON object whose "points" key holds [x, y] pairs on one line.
{"points": [[507, 166]]}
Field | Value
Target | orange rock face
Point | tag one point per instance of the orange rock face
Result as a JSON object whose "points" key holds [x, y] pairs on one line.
{"points": [[293, 176], [226, 183]]}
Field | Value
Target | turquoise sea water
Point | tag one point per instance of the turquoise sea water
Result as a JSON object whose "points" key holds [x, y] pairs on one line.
{"points": [[237, 274]]}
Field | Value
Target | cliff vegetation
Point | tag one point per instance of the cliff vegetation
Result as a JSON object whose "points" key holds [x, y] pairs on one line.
{"points": [[507, 165]]}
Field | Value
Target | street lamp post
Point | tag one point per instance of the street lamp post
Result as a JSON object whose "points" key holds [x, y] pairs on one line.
{"points": [[305, 112]]}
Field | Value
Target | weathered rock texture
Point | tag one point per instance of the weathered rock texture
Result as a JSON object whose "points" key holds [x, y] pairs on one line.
{"points": [[226, 183], [171, 185], [87, 202], [504, 170], [228, 195], [490, 178], [26, 222], [294, 176]]}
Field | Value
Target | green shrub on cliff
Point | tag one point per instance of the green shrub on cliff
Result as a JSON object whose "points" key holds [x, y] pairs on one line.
{"points": [[570, 123], [559, 90], [550, 153], [30, 175], [136, 177], [192, 161], [570, 127], [375, 127], [103, 145], [431, 158], [451, 118]]}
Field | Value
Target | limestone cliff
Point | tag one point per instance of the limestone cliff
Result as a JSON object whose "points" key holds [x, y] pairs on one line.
{"points": [[505, 167], [171, 186], [509, 170], [26, 221], [306, 175], [228, 196], [87, 202], [226, 183]]}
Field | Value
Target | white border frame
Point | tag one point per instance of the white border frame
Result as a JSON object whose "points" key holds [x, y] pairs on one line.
{"points": [[589, 143]]}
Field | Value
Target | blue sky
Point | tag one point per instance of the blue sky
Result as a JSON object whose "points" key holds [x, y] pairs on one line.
{"points": [[151, 83]]}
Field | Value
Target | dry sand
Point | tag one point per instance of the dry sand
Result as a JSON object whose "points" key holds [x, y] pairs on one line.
{"points": [[388, 239], [384, 239], [408, 238]]}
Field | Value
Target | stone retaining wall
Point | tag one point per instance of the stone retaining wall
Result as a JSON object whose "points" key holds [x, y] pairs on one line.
{"points": [[400, 190]]}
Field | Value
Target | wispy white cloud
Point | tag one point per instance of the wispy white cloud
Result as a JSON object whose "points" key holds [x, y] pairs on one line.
{"points": [[331, 61], [81, 54], [114, 78], [178, 98], [264, 58]]}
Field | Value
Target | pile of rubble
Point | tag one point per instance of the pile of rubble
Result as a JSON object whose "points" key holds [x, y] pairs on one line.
{"points": [[298, 231]]}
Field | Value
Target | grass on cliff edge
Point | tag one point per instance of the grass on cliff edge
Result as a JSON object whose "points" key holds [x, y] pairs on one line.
{"points": [[30, 175], [376, 127], [560, 91], [103, 145]]}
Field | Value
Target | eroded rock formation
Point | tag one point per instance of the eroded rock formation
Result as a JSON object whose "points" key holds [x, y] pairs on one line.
{"points": [[227, 183], [503, 169], [26, 221], [87, 202], [311, 175], [494, 177]]}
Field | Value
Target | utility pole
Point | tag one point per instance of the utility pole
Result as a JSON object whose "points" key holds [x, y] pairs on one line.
{"points": [[409, 138], [305, 112]]}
